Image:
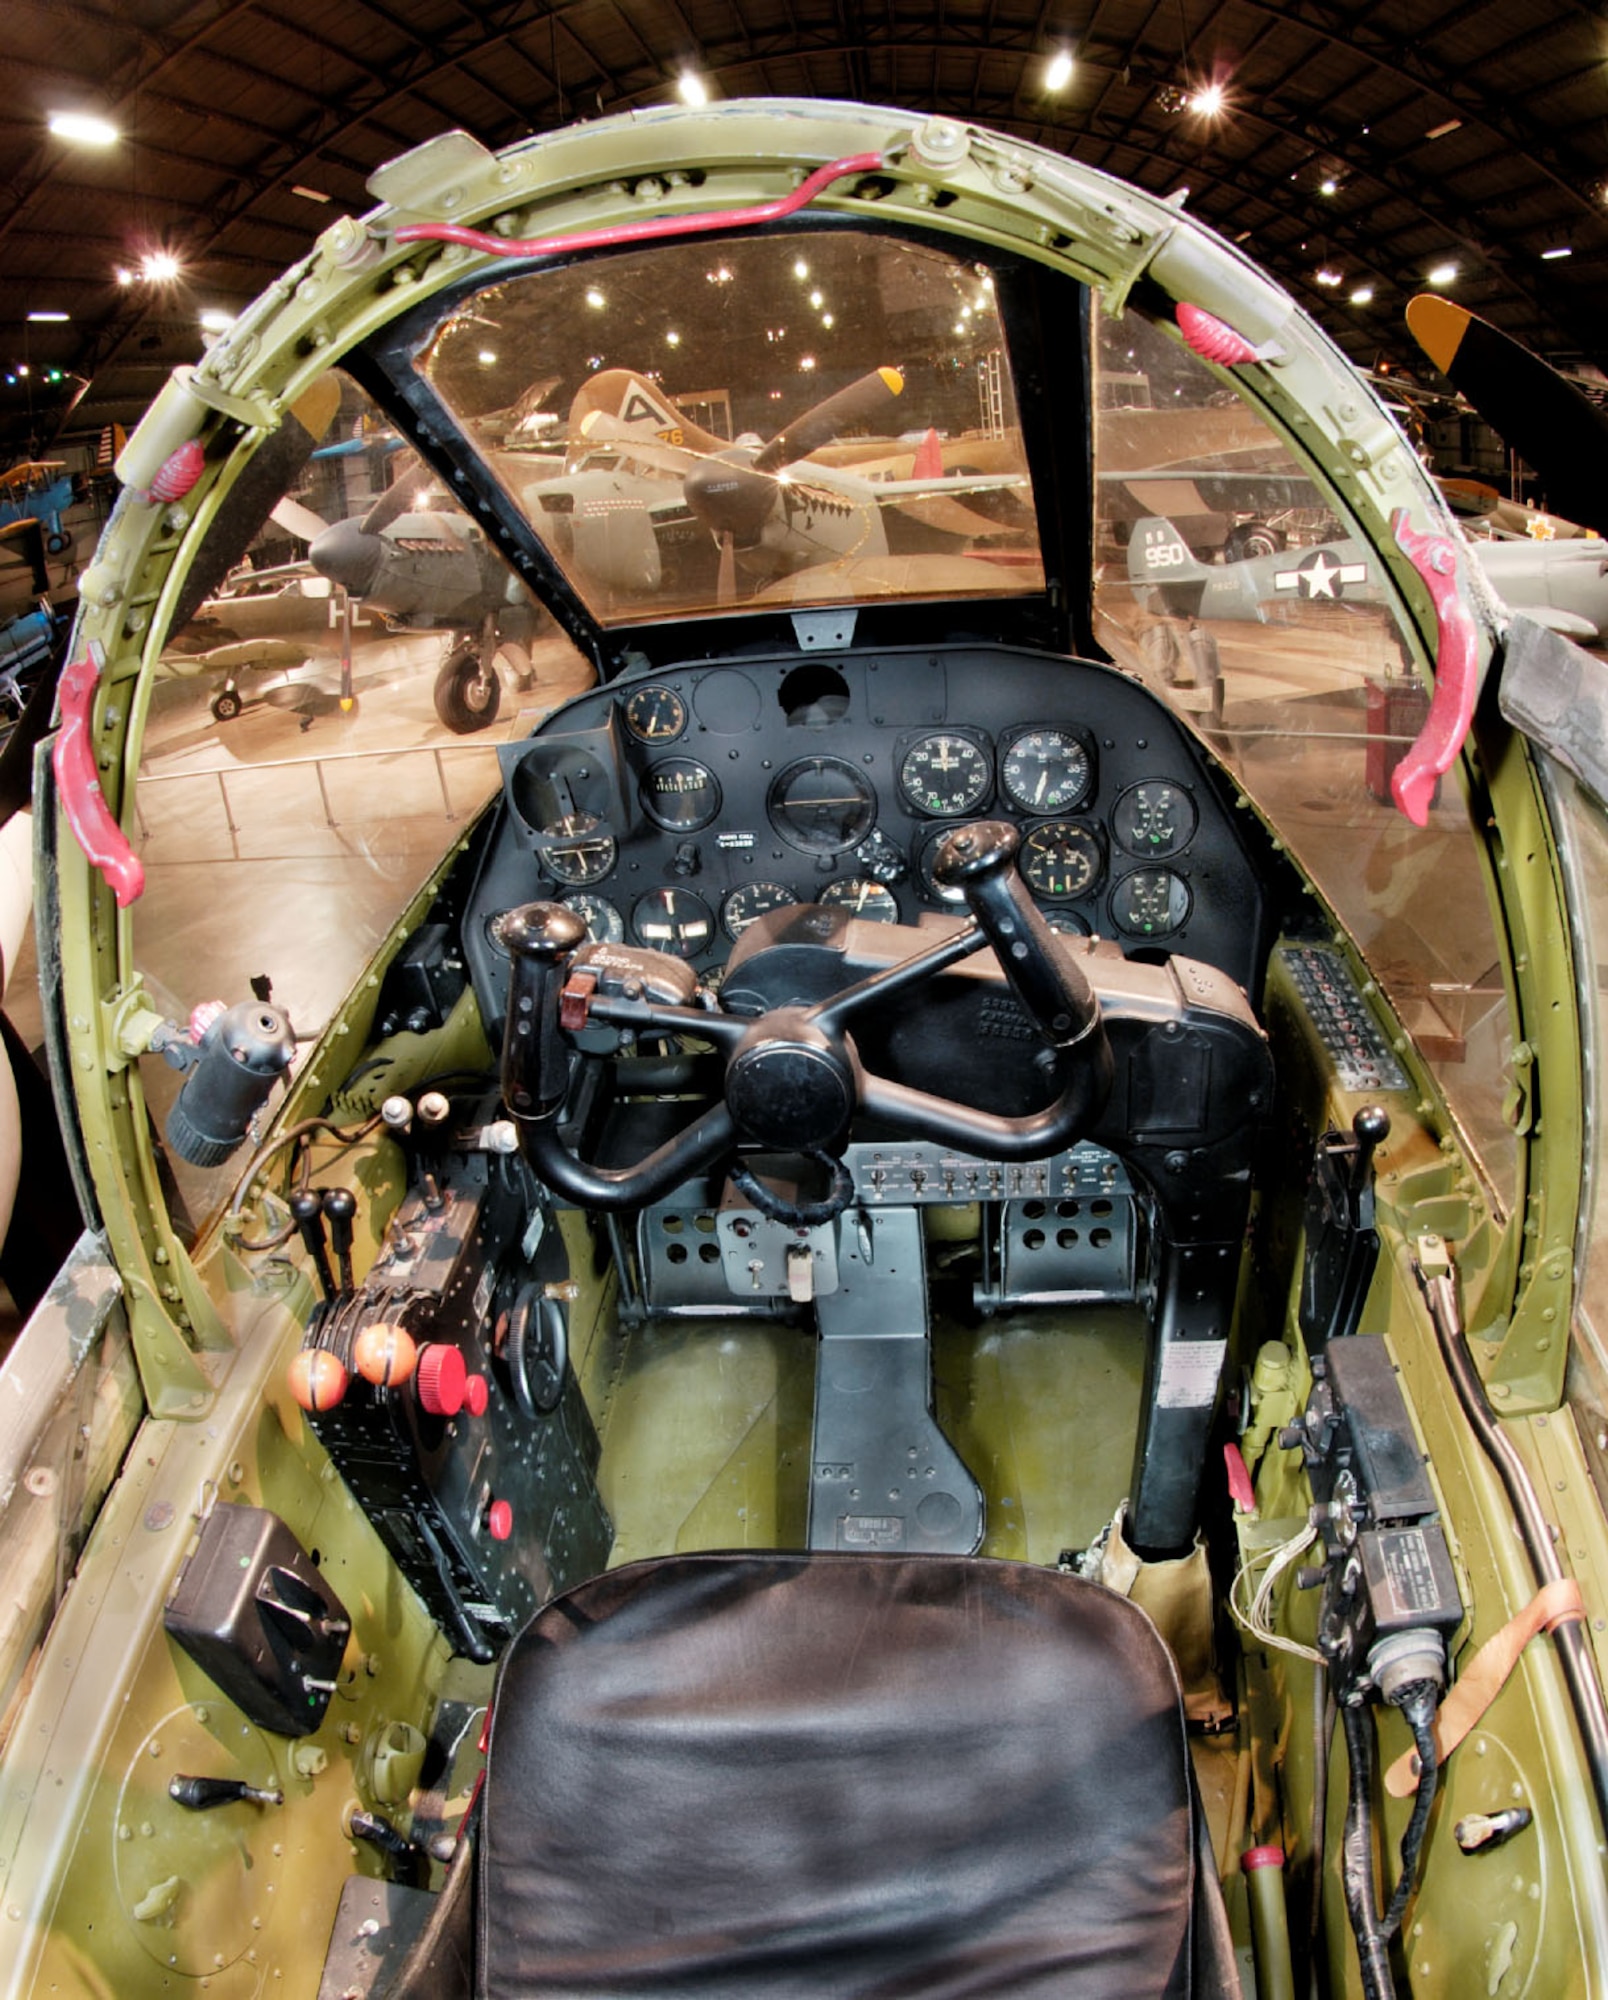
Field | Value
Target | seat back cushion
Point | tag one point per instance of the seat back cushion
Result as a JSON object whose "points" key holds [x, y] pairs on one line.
{"points": [[820, 1774]]}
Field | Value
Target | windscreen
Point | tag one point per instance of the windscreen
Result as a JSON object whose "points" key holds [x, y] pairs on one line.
{"points": [[803, 418]]}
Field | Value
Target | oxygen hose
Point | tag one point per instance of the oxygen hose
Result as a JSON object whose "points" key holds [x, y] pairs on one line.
{"points": [[1357, 1854]]}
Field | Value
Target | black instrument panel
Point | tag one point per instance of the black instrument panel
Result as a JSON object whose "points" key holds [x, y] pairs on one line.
{"points": [[675, 808]]}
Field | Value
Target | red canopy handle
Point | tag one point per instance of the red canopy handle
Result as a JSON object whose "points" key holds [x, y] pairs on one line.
{"points": [[82, 799], [1451, 707], [649, 231]]}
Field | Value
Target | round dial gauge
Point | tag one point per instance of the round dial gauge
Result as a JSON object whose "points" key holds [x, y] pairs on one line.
{"points": [[680, 795], [1068, 922], [944, 774], [1059, 860], [655, 714], [1154, 818], [1151, 902], [822, 805], [1047, 770], [604, 924], [863, 898], [747, 904], [574, 851], [674, 921]]}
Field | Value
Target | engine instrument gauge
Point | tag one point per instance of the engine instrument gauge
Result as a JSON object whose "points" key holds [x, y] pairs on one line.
{"points": [[822, 805], [1060, 860], [1067, 922], [752, 901], [573, 851], [604, 924], [1154, 818], [674, 921], [863, 898], [655, 714], [1151, 902], [1046, 770], [680, 795], [944, 774]]}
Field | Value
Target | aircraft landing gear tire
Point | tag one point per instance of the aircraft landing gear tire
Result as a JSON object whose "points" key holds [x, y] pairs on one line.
{"points": [[467, 695], [226, 705], [58, 545]]}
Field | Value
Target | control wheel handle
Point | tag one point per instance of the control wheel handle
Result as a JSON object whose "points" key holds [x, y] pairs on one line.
{"points": [[540, 939]]}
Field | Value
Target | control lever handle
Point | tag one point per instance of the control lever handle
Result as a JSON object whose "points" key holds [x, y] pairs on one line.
{"points": [[980, 861], [540, 939], [1368, 1128], [307, 1210]]}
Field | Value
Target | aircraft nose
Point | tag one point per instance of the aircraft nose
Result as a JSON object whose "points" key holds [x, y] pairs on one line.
{"points": [[347, 556], [730, 499]]}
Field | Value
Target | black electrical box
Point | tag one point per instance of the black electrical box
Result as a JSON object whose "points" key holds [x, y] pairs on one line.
{"points": [[253, 1611]]}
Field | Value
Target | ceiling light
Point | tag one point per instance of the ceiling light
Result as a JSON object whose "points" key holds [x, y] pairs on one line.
{"points": [[1362, 296], [487, 357], [22, 368], [1330, 186], [828, 320], [1443, 274], [1059, 73], [159, 267], [309, 194], [1171, 99], [82, 129], [1440, 131], [55, 318], [1207, 102], [216, 320], [1547, 257], [1329, 276], [800, 268], [123, 275], [817, 300], [595, 299], [806, 362], [692, 88], [672, 338]]}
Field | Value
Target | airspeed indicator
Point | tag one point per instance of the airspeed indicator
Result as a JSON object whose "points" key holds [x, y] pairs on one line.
{"points": [[944, 774], [1060, 860]]}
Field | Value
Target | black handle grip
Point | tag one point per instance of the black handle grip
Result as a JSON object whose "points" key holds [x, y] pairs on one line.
{"points": [[340, 1207], [201, 1794], [1371, 1124], [540, 939], [980, 861], [308, 1209]]}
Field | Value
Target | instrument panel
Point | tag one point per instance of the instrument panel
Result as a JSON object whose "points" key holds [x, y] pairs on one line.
{"points": [[674, 811]]}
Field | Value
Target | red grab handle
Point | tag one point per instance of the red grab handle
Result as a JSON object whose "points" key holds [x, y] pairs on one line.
{"points": [[82, 799], [1451, 707]]}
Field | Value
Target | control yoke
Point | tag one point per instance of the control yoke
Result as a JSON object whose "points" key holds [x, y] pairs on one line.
{"points": [[794, 1080]]}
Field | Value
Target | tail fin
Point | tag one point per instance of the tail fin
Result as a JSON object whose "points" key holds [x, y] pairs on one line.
{"points": [[1157, 553], [630, 398]]}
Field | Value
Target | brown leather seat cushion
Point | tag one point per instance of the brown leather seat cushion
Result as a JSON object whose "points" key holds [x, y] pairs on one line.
{"points": [[787, 1775]]}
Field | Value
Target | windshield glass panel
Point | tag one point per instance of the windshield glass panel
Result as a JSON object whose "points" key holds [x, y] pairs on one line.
{"points": [[1226, 579], [819, 417]]}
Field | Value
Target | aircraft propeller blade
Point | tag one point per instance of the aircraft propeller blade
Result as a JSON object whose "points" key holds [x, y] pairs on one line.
{"points": [[734, 495], [397, 499], [726, 576], [297, 520], [271, 473], [851, 406], [1545, 419]]}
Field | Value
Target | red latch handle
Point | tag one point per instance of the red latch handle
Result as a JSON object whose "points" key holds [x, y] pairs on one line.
{"points": [[1451, 707], [575, 999], [82, 799]]}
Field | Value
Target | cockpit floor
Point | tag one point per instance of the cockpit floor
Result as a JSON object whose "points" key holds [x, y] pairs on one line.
{"points": [[705, 1427]]}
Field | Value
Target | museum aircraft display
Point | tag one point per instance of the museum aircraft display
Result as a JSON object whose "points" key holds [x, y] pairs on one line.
{"points": [[932, 1322]]}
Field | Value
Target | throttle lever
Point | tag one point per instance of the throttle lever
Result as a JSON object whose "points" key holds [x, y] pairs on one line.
{"points": [[540, 939], [980, 861]]}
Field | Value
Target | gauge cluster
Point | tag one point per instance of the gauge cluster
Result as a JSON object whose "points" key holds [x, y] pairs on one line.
{"points": [[674, 811]]}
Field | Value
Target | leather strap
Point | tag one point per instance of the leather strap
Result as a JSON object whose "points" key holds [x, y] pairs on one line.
{"points": [[1483, 1678]]}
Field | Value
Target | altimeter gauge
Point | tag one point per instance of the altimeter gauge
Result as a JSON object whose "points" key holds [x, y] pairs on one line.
{"points": [[1046, 771]]}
